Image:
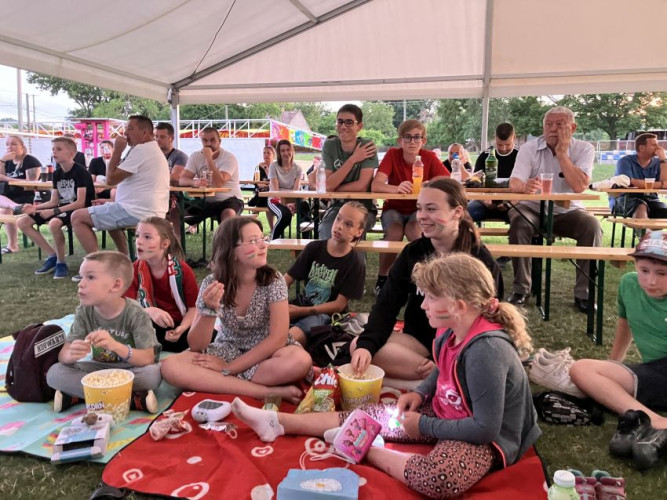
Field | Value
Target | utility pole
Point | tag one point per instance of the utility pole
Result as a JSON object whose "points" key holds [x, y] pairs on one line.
{"points": [[19, 96]]}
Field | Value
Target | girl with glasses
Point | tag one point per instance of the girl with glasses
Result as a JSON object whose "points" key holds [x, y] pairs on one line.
{"points": [[252, 353], [399, 217]]}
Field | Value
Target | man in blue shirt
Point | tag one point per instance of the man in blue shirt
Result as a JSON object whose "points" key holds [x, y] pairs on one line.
{"points": [[646, 164]]}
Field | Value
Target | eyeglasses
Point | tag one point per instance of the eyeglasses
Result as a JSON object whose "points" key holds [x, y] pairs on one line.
{"points": [[347, 123], [258, 242], [410, 138]]}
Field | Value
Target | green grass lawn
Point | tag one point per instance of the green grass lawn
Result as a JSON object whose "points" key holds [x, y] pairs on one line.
{"points": [[27, 298]]}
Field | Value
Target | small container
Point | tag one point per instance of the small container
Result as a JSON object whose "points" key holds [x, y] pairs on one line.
{"points": [[196, 181], [272, 403], [563, 487], [547, 181]]}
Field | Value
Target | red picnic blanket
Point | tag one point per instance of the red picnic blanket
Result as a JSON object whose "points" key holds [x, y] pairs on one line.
{"points": [[202, 464]]}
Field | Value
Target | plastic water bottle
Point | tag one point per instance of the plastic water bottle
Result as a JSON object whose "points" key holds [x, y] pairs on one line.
{"points": [[321, 182], [417, 175], [456, 168], [563, 487]]}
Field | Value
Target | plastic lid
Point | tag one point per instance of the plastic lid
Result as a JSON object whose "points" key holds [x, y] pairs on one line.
{"points": [[564, 478], [418, 158]]}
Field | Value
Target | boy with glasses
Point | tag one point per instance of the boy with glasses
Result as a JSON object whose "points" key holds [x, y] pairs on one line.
{"points": [[399, 217], [349, 161]]}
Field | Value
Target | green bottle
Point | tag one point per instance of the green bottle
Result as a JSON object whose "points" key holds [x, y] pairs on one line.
{"points": [[491, 169]]}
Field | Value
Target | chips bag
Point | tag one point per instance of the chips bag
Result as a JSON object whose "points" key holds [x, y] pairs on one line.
{"points": [[325, 390]]}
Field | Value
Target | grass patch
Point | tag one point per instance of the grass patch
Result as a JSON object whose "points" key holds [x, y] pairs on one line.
{"points": [[27, 298]]}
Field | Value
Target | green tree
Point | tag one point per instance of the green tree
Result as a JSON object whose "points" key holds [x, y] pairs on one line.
{"points": [[378, 116], [526, 114], [414, 109], [85, 96], [618, 114]]}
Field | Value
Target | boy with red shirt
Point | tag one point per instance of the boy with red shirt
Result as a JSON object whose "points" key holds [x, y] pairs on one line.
{"points": [[399, 217]]}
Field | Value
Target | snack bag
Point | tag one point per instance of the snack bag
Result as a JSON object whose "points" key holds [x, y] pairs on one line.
{"points": [[306, 404], [325, 390]]}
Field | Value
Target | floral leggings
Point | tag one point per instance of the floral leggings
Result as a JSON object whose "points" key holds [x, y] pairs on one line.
{"points": [[451, 468]]}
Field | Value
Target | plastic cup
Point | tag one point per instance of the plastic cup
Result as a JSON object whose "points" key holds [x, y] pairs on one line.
{"points": [[108, 391], [648, 183], [355, 392], [547, 181]]}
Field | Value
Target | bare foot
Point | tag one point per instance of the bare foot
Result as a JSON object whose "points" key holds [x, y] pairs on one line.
{"points": [[289, 393], [658, 422]]}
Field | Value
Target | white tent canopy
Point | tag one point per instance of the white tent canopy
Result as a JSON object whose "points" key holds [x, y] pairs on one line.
{"points": [[209, 51]]}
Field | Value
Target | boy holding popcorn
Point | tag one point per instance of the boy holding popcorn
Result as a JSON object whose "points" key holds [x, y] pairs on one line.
{"points": [[109, 331]]}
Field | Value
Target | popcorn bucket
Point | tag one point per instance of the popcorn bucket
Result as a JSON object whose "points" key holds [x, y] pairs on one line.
{"points": [[109, 391], [356, 392]]}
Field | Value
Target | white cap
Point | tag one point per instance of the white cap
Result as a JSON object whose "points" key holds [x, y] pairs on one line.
{"points": [[418, 157], [564, 478]]}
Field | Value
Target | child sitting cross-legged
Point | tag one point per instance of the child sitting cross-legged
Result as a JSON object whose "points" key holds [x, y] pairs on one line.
{"points": [[333, 270], [475, 407], [253, 354], [163, 283], [72, 189], [117, 331]]}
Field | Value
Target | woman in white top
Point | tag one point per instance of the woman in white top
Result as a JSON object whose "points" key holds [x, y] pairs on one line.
{"points": [[284, 175]]}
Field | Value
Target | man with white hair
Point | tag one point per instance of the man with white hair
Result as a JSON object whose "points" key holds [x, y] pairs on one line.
{"points": [[570, 161]]}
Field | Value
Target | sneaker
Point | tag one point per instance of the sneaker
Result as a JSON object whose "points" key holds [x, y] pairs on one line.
{"points": [[585, 486], [647, 448], [631, 424], [562, 355], [62, 401], [49, 265], [61, 271], [76, 278], [144, 401], [554, 375], [610, 488]]}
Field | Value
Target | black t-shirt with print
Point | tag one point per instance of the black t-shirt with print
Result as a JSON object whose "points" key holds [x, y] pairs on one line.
{"points": [[67, 184]]}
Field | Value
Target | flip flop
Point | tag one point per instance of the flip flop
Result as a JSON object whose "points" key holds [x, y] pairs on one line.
{"points": [[6, 250]]}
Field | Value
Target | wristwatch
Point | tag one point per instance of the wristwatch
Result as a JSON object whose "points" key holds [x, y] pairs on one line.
{"points": [[664, 160], [56, 211]]}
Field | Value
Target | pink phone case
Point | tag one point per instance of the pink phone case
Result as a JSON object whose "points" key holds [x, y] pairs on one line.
{"points": [[356, 435]]}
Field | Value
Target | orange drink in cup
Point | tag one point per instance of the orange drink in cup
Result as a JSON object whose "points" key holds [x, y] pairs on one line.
{"points": [[648, 183], [547, 181]]}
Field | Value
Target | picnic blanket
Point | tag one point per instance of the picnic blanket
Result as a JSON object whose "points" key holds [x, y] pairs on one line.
{"points": [[32, 428], [202, 464]]}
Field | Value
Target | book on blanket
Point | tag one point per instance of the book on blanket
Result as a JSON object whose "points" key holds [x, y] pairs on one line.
{"points": [[334, 483], [356, 435]]}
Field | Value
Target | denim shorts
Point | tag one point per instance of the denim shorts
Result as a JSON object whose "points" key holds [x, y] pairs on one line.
{"points": [[650, 381], [306, 323], [111, 216], [390, 217]]}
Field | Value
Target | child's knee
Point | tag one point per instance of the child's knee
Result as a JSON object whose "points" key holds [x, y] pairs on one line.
{"points": [[580, 369], [25, 222], [55, 224]]}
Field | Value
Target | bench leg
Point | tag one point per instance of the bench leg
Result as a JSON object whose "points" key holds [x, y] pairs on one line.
{"points": [[130, 244]]}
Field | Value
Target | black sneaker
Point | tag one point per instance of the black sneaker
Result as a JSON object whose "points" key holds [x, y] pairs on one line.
{"points": [[646, 449], [144, 401], [62, 401], [631, 424]]}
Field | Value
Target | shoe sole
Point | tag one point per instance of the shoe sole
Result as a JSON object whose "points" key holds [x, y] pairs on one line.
{"points": [[547, 384], [59, 277], [39, 272]]}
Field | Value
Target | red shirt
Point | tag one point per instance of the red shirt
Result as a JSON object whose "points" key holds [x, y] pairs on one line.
{"points": [[398, 170], [162, 291], [448, 403]]}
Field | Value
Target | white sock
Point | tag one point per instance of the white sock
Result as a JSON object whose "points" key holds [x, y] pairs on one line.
{"points": [[263, 422], [330, 435]]}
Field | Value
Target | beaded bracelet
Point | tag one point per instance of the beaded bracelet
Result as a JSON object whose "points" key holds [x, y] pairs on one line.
{"points": [[129, 354]]}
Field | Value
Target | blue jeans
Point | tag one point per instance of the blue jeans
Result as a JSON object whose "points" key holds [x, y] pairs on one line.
{"points": [[479, 212]]}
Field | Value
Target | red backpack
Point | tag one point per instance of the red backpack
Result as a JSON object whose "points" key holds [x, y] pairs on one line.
{"points": [[35, 351]]}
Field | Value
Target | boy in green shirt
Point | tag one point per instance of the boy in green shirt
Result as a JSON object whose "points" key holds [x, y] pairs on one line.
{"points": [[636, 391], [116, 331]]}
